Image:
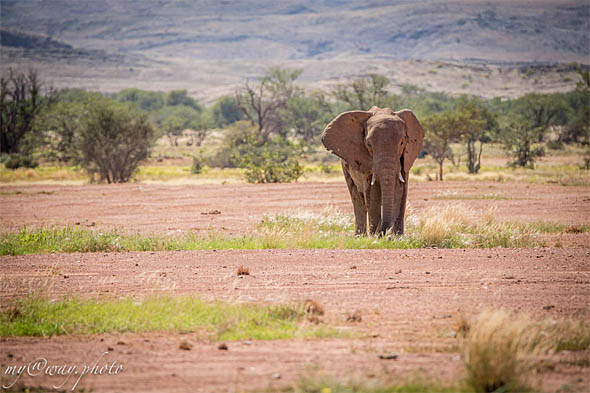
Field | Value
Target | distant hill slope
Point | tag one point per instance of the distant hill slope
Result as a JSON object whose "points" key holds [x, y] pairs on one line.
{"points": [[498, 31], [219, 42]]}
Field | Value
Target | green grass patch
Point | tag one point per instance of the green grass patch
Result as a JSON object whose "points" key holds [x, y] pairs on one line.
{"points": [[37, 316]]}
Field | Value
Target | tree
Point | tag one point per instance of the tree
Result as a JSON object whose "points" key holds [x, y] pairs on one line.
{"points": [[540, 111], [262, 103], [441, 130], [175, 119], [225, 111], [578, 125], [144, 100], [526, 124], [58, 124], [475, 120], [306, 116], [113, 141], [180, 97], [21, 101], [521, 141], [364, 93]]}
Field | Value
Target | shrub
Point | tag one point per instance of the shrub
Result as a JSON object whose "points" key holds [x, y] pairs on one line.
{"points": [[113, 141], [555, 145], [265, 160], [197, 166], [15, 161], [272, 167]]}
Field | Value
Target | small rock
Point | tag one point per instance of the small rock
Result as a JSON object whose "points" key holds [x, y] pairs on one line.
{"points": [[276, 376], [247, 342], [222, 347], [187, 346], [110, 349], [121, 342], [548, 307], [390, 356], [398, 271], [353, 267], [354, 317]]}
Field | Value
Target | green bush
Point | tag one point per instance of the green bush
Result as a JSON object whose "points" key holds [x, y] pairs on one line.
{"points": [[266, 160], [197, 166], [272, 167], [555, 145], [15, 161]]}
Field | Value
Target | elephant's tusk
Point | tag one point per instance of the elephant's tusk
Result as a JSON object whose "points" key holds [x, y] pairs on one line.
{"points": [[373, 179], [401, 178]]}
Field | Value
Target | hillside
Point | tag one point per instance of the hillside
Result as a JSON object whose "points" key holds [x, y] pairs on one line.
{"points": [[213, 45]]}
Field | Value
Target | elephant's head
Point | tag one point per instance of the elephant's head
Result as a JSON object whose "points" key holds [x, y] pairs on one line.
{"points": [[383, 145]]}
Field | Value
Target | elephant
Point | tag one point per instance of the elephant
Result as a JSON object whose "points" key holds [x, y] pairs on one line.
{"points": [[377, 148]]}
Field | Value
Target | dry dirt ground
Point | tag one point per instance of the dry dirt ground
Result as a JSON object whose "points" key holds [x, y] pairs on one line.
{"points": [[410, 300]]}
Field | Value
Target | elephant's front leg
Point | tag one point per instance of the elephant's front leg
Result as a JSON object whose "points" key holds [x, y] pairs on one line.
{"points": [[374, 207], [358, 202]]}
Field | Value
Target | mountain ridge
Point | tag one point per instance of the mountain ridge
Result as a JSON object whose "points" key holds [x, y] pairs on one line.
{"points": [[166, 41]]}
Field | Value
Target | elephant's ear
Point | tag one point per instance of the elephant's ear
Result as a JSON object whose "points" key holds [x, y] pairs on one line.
{"points": [[344, 136], [415, 138]]}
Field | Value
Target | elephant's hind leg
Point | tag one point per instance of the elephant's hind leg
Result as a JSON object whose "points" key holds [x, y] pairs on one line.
{"points": [[358, 202]]}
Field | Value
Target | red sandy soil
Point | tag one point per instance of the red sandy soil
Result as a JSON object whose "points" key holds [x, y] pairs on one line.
{"points": [[410, 300], [170, 209]]}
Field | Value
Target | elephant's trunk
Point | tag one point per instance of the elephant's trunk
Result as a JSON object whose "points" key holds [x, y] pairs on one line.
{"points": [[391, 188]]}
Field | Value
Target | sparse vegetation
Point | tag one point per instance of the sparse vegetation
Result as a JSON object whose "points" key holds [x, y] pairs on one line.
{"points": [[450, 227]]}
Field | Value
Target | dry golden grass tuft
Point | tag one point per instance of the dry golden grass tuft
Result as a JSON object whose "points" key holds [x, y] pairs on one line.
{"points": [[243, 271], [500, 349], [354, 316], [440, 226], [313, 310]]}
